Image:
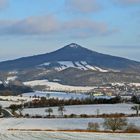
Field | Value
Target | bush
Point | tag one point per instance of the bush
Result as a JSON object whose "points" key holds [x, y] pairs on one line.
{"points": [[115, 115], [65, 116], [83, 115], [72, 115], [132, 128], [93, 126], [27, 115], [115, 123], [14, 108], [37, 116]]}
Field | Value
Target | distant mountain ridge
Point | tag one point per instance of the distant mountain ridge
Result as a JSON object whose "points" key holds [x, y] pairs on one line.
{"points": [[73, 55]]}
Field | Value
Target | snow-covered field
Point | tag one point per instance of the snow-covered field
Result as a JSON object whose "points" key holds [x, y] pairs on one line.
{"points": [[59, 95], [13, 98], [85, 109], [7, 103], [58, 87], [8, 100], [66, 136], [53, 124], [62, 124]]}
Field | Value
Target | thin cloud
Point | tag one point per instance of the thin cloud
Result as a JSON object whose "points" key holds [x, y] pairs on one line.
{"points": [[34, 25], [128, 2], [86, 28], [82, 6], [3, 3], [52, 26]]}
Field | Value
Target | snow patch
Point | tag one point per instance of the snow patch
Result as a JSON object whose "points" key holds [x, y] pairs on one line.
{"points": [[11, 78], [45, 64], [13, 72], [54, 86], [83, 65], [135, 84], [88, 66], [73, 45], [101, 70], [56, 80]]}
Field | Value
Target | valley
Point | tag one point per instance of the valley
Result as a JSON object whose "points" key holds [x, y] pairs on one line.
{"points": [[69, 70], [63, 97]]}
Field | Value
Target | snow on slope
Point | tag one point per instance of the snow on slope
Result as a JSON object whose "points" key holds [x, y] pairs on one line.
{"points": [[8, 100], [45, 64], [9, 78], [8, 103], [66, 64], [59, 95], [85, 109], [123, 84], [101, 70], [83, 65], [58, 87], [135, 84]]}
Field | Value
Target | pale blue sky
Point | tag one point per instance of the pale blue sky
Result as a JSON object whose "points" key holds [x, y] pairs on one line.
{"points": [[30, 27]]}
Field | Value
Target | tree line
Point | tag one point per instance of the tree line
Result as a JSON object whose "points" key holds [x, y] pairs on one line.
{"points": [[45, 102]]}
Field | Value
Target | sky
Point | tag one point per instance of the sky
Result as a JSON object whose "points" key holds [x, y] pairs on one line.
{"points": [[31, 27]]}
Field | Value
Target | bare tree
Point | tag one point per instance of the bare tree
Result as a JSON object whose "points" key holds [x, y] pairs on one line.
{"points": [[61, 109], [136, 108], [115, 123], [97, 112], [14, 108], [132, 128], [20, 111], [48, 95], [49, 111], [0, 109]]}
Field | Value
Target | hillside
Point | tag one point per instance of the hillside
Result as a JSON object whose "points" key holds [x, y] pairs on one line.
{"points": [[73, 55], [72, 65]]}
